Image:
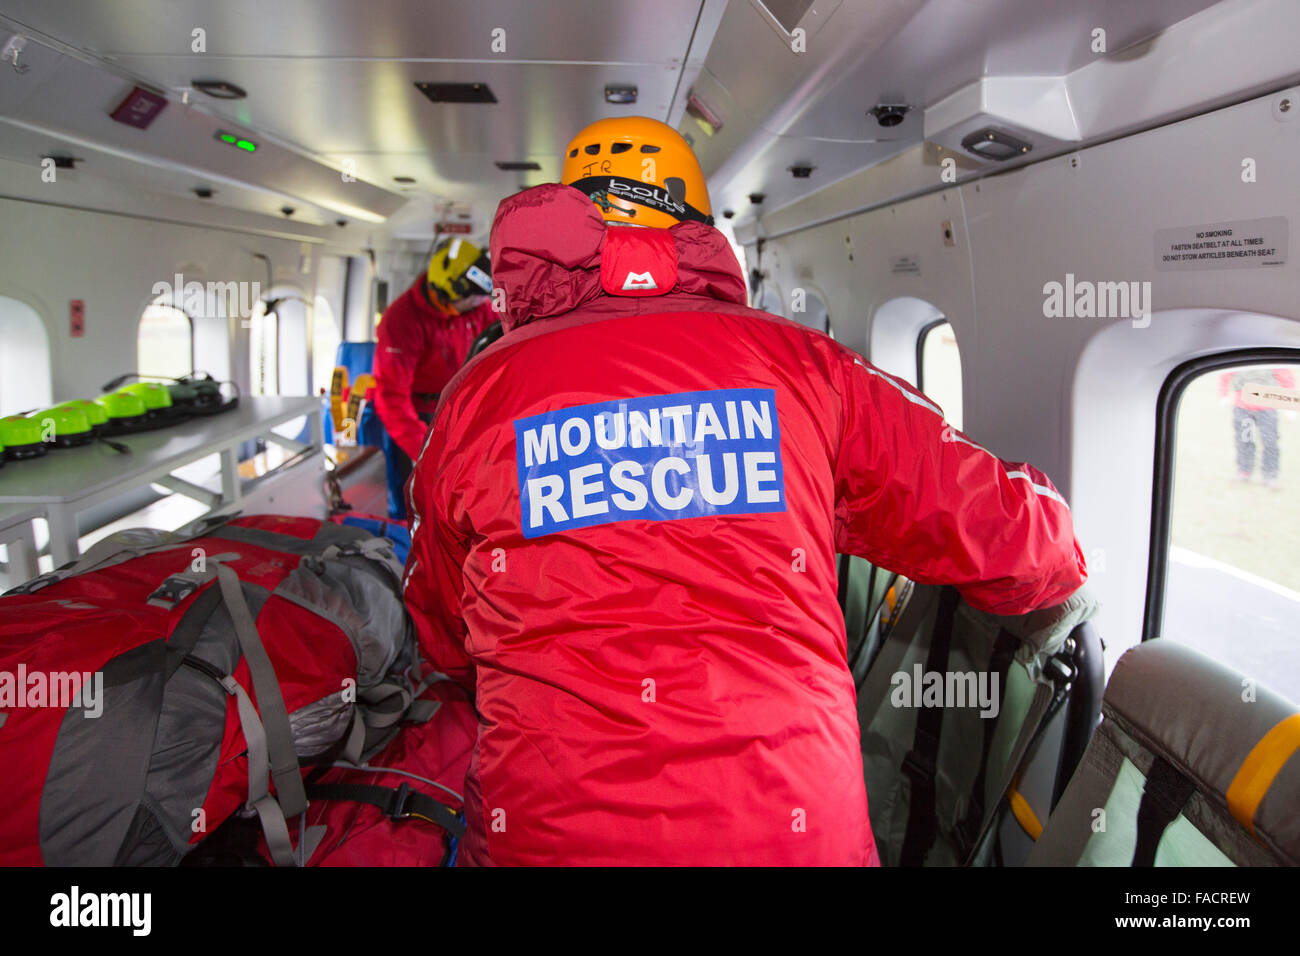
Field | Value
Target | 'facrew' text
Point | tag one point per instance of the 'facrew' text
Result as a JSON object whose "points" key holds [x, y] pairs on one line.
{"points": [[658, 457]]}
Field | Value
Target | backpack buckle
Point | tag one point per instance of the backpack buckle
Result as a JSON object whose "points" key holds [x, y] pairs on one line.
{"points": [[36, 583], [172, 591], [397, 806]]}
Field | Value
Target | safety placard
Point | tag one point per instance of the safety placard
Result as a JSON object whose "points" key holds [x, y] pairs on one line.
{"points": [[1245, 244], [905, 265]]}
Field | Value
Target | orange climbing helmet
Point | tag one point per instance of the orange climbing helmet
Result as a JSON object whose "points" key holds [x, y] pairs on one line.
{"points": [[638, 171]]}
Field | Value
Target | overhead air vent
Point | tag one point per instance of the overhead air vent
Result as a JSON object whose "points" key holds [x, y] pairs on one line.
{"points": [[219, 89], [62, 160], [457, 92], [889, 114], [517, 165]]}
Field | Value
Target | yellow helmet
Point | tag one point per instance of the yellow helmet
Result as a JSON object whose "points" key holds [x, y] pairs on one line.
{"points": [[457, 270], [639, 171]]}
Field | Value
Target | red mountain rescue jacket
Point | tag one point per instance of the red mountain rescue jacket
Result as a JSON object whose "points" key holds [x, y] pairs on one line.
{"points": [[626, 518], [420, 348]]}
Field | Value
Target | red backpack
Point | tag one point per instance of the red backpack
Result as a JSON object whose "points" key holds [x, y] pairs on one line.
{"points": [[167, 681]]}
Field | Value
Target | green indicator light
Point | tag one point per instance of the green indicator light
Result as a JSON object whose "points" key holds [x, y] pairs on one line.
{"points": [[247, 145]]}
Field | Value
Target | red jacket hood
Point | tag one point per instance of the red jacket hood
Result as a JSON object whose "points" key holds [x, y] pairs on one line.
{"points": [[546, 254]]}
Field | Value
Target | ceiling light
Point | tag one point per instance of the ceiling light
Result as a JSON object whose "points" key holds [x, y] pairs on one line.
{"points": [[620, 93], [994, 144]]}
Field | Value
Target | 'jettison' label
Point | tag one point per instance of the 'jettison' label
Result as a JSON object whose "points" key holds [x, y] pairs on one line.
{"points": [[657, 457]]}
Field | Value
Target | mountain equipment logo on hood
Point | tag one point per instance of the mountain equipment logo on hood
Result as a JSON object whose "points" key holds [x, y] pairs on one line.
{"points": [[640, 280]]}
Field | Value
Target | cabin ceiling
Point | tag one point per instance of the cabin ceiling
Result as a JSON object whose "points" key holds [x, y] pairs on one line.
{"points": [[335, 79], [331, 83], [812, 108]]}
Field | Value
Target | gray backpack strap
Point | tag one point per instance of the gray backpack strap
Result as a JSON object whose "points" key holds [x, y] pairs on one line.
{"points": [[420, 711], [274, 825], [379, 550], [283, 759]]}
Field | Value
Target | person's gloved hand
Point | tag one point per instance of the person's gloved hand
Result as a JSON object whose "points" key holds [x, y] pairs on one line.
{"points": [[1043, 631]]}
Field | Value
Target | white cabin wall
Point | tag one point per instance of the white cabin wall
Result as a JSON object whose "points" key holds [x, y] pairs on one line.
{"points": [[52, 255], [1094, 214]]}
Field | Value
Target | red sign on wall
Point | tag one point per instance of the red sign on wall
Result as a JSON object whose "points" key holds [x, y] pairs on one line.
{"points": [[454, 228], [77, 318]]}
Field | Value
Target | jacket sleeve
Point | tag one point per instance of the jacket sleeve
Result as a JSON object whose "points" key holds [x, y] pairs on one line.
{"points": [[916, 496], [1285, 377], [397, 354], [435, 568]]}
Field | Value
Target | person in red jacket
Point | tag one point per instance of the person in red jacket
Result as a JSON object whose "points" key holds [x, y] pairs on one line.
{"points": [[424, 337], [625, 527]]}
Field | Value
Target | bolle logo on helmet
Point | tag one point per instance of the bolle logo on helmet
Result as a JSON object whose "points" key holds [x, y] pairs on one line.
{"points": [[640, 280], [647, 195]]}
